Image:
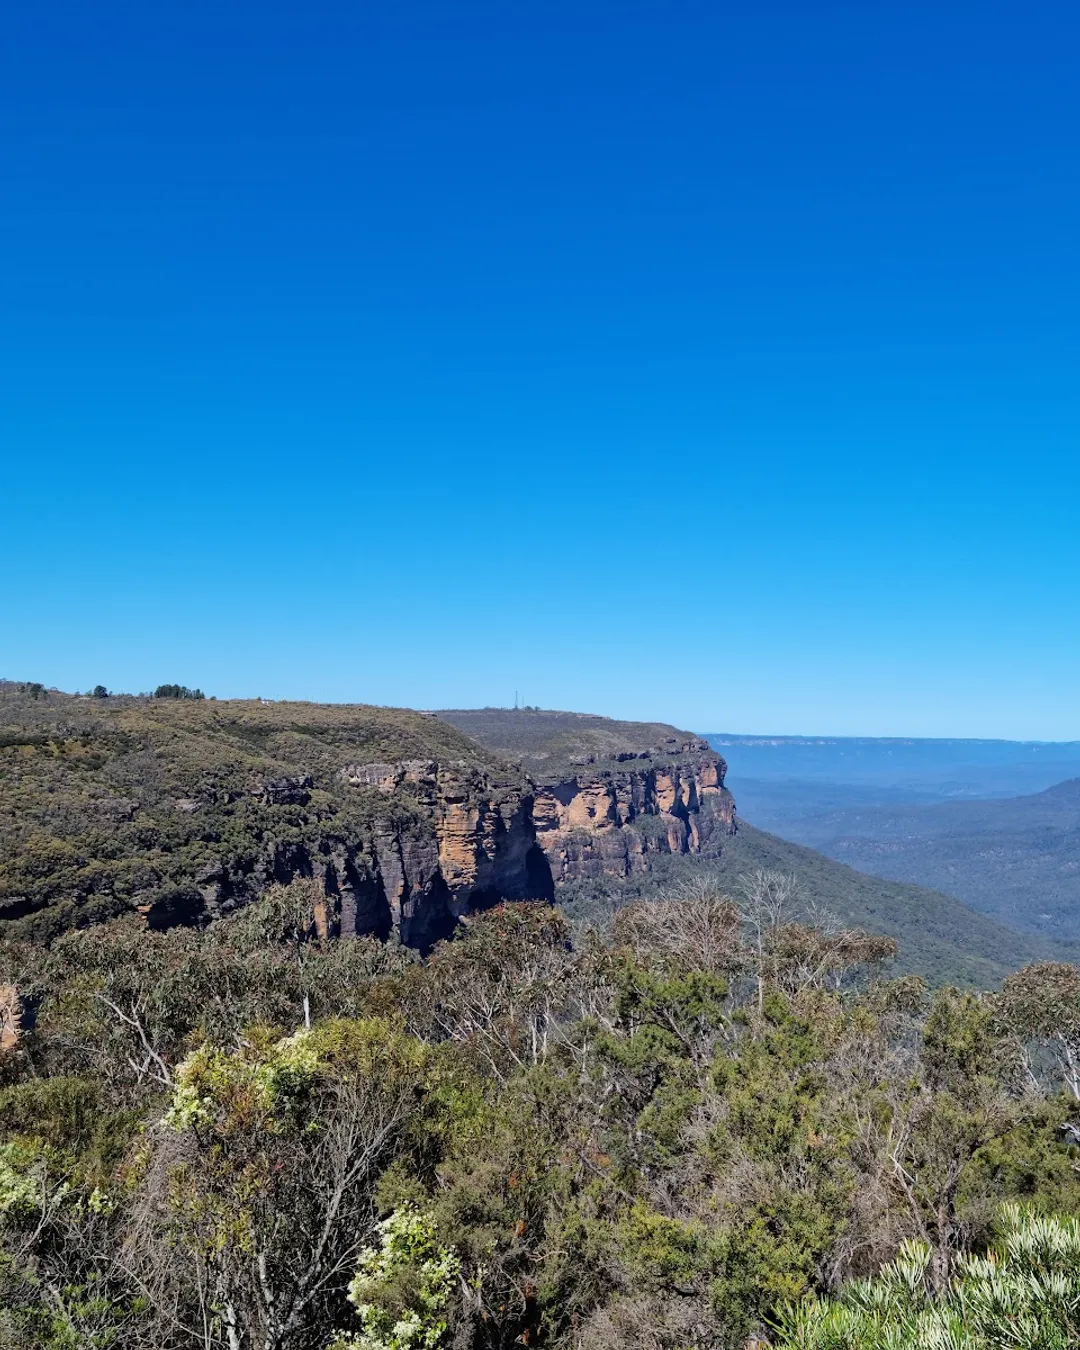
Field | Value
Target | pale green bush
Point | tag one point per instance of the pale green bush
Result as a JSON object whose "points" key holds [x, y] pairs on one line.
{"points": [[1024, 1294], [403, 1287]]}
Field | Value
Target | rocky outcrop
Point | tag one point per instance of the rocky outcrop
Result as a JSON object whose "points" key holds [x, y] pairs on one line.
{"points": [[184, 810], [11, 1015], [608, 818], [444, 840], [478, 847], [288, 791], [441, 840]]}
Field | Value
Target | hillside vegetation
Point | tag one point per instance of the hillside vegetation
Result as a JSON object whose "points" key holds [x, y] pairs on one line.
{"points": [[110, 803], [1017, 859], [688, 1111], [938, 936]]}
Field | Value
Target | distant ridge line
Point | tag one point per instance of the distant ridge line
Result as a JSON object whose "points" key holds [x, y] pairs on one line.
{"points": [[749, 738]]}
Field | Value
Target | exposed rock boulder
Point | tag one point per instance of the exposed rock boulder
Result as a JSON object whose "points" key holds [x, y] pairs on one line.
{"points": [[11, 1016], [288, 791]]}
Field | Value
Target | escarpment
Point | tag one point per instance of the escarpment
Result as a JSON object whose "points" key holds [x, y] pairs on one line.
{"points": [[608, 819], [473, 846], [442, 840], [610, 794], [185, 813]]}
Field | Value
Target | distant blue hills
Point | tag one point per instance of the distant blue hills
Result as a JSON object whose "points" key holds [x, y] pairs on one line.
{"points": [[919, 768], [995, 823]]}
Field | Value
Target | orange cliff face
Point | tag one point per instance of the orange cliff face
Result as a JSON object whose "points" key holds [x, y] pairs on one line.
{"points": [[471, 843], [431, 842], [440, 840], [607, 820], [478, 841], [10, 1018]]}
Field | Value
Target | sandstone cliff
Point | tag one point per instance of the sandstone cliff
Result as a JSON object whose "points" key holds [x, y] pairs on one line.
{"points": [[609, 819], [479, 847], [186, 811], [441, 840], [610, 793]]}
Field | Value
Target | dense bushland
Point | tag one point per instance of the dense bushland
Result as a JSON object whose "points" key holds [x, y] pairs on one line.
{"points": [[673, 1137]]}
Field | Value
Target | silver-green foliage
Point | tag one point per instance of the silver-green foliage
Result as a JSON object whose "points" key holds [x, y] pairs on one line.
{"points": [[1024, 1294]]}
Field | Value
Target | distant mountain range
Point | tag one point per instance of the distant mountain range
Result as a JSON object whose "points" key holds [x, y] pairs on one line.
{"points": [[990, 822]]}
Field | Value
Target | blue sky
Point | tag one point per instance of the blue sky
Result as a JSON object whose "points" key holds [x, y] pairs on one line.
{"points": [[704, 362]]}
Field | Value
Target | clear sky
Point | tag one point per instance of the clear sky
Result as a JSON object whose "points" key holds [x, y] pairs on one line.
{"points": [[708, 362]]}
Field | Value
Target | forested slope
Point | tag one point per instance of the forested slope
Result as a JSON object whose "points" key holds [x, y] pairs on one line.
{"points": [[1017, 859], [938, 936]]}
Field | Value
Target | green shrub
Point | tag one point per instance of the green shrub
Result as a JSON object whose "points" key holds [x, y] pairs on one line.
{"points": [[175, 691]]}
